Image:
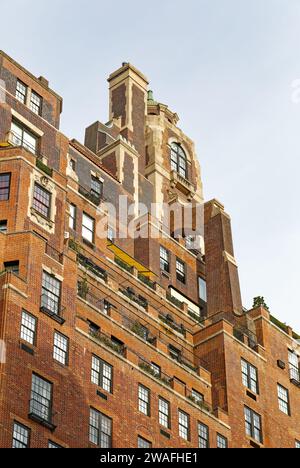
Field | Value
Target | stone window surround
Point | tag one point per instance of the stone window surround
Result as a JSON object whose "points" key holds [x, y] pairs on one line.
{"points": [[47, 184]]}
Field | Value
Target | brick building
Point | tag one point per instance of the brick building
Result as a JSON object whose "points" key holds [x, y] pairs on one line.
{"points": [[112, 340]]}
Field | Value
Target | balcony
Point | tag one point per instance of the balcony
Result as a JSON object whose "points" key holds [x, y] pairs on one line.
{"points": [[199, 402], [160, 376], [174, 301], [169, 320], [182, 184], [55, 254], [40, 413], [89, 265], [52, 308], [125, 266], [139, 300], [90, 195], [147, 281], [107, 341]]}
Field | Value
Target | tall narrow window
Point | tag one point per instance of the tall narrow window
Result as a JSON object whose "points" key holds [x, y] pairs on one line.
{"points": [[180, 271], [250, 376], [41, 201], [294, 366], [36, 103], [21, 436], [72, 217], [21, 92], [143, 443], [164, 413], [178, 160], [96, 187], [184, 425], [28, 328], [202, 290], [100, 429], [41, 398], [51, 292], [203, 436], [222, 442], [283, 399], [253, 425], [88, 228], [102, 374], [4, 187], [144, 400], [21, 136], [164, 260], [60, 348]]}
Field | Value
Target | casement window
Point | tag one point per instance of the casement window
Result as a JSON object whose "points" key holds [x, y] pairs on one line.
{"points": [[283, 399], [202, 290], [4, 186], [41, 398], [203, 436], [222, 442], [164, 260], [250, 377], [197, 397], [21, 136], [61, 348], [21, 92], [53, 445], [178, 160], [180, 271], [51, 293], [184, 425], [294, 366], [28, 328], [36, 103], [41, 201], [88, 228], [297, 444], [143, 443], [253, 425], [72, 217], [164, 413], [102, 374], [21, 436], [96, 187], [144, 400], [12, 267], [100, 429], [3, 226]]}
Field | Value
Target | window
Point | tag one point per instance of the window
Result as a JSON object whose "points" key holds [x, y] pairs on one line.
{"points": [[203, 436], [178, 160], [180, 271], [21, 436], [41, 201], [21, 136], [297, 444], [144, 400], [283, 399], [202, 290], [250, 377], [197, 397], [253, 425], [175, 353], [52, 445], [28, 328], [111, 234], [143, 443], [36, 103], [72, 165], [102, 374], [164, 413], [96, 187], [60, 348], [222, 442], [3, 226], [88, 228], [51, 291], [41, 398], [184, 425], [12, 267], [156, 369], [100, 429], [72, 218], [294, 366], [164, 260], [4, 187], [21, 92]]}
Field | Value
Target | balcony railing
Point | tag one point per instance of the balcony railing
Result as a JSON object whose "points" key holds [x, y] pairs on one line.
{"points": [[52, 308], [174, 301], [89, 265], [199, 402], [168, 320], [41, 413], [107, 341], [147, 281], [123, 265], [149, 368], [93, 197], [141, 301]]}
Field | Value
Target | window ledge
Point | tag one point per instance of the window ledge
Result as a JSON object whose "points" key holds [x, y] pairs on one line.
{"points": [[52, 315], [42, 422]]}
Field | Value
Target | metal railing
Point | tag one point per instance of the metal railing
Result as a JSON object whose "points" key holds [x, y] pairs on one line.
{"points": [[107, 341], [150, 369], [90, 195], [16, 141], [199, 402], [147, 281], [141, 301], [174, 301], [124, 265], [41, 412], [89, 265], [52, 308], [169, 320]]}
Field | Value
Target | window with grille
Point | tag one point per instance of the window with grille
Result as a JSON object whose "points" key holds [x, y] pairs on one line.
{"points": [[28, 327], [164, 260], [222, 442], [178, 160], [294, 366], [21, 436], [100, 429], [250, 377], [41, 201], [21, 136], [51, 293], [144, 400], [41, 398], [88, 228], [184, 425], [253, 425], [72, 217], [156, 369], [197, 397], [164, 413], [96, 187], [36, 103], [203, 436], [180, 271], [143, 443], [4, 186], [60, 348], [283, 399], [102, 374], [21, 92]]}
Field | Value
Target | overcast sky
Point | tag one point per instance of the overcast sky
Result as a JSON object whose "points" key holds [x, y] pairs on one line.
{"points": [[228, 68]]}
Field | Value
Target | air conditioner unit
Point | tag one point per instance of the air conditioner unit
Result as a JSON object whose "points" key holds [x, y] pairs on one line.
{"points": [[67, 235]]}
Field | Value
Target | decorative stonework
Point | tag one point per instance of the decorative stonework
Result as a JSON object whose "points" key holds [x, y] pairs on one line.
{"points": [[46, 223]]}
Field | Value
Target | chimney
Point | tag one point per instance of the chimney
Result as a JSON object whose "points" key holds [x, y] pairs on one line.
{"points": [[223, 286], [128, 101]]}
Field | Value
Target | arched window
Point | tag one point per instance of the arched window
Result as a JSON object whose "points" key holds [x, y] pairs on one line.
{"points": [[178, 160]]}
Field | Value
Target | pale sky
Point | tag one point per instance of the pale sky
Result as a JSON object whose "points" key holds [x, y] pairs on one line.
{"points": [[227, 67]]}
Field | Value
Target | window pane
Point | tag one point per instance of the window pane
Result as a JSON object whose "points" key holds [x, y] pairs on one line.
{"points": [[28, 327], [144, 444], [41, 397], [36, 103], [20, 436], [202, 290], [51, 291], [183, 425], [144, 400], [222, 442], [4, 186], [88, 228], [72, 218], [164, 413], [60, 350], [53, 445], [41, 200], [203, 434], [21, 92]]}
